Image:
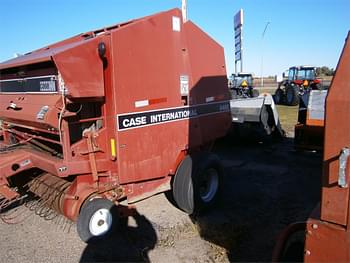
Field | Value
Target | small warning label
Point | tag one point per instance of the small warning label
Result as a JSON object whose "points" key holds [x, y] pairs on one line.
{"points": [[176, 24], [184, 86]]}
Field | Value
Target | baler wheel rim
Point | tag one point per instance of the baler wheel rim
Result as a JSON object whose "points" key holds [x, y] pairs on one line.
{"points": [[97, 211], [100, 222], [209, 185]]}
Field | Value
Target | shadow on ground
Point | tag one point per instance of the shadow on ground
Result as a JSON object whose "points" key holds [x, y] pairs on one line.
{"points": [[266, 187], [132, 242]]}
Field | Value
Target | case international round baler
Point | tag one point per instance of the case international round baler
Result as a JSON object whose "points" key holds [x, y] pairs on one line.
{"points": [[119, 113]]}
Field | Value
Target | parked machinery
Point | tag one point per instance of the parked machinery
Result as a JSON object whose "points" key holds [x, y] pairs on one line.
{"points": [[252, 114], [309, 131], [300, 80], [325, 236], [112, 115], [242, 86]]}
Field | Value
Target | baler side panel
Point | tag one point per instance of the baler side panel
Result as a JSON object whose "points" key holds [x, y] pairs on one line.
{"points": [[29, 105], [147, 59], [209, 83], [335, 200]]}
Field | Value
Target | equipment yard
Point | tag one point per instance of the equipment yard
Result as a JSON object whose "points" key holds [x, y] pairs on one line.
{"points": [[129, 143], [266, 187]]}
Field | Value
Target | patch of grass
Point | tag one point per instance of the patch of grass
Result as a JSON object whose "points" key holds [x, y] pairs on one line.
{"points": [[270, 90], [288, 117]]}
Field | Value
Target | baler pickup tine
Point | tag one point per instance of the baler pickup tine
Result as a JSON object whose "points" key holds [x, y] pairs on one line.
{"points": [[5, 203]]}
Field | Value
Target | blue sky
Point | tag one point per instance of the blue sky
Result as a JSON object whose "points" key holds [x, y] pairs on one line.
{"points": [[310, 32]]}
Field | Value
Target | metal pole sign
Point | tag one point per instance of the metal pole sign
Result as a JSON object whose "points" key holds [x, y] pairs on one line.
{"points": [[238, 26], [184, 11]]}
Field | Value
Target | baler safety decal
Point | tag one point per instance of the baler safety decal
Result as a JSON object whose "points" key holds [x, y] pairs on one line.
{"points": [[146, 118]]}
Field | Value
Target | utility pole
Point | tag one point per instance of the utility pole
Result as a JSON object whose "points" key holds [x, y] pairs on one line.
{"points": [[262, 54]]}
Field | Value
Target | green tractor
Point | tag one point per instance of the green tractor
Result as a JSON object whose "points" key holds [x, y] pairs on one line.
{"points": [[300, 80]]}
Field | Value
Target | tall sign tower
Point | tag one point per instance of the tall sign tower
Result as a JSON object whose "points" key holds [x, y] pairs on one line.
{"points": [[238, 26]]}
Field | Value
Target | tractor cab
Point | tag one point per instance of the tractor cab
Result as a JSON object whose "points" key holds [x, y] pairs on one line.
{"points": [[303, 75], [300, 80], [241, 85]]}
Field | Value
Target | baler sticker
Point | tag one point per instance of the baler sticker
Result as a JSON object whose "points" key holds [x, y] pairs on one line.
{"points": [[184, 85], [176, 24], [146, 118], [24, 163]]}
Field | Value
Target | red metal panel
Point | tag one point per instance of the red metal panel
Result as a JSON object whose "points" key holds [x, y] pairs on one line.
{"points": [[326, 242], [207, 64], [29, 106], [208, 75], [335, 200], [147, 59], [40, 55], [78, 62], [82, 69]]}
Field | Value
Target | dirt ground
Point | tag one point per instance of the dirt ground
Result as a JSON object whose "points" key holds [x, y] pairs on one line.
{"points": [[266, 187]]}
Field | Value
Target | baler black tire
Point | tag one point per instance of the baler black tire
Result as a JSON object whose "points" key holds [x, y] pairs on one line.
{"points": [[89, 209], [188, 180], [279, 96], [292, 96]]}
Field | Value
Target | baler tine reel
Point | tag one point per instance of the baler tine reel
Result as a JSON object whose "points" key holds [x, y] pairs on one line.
{"points": [[48, 191], [16, 215], [42, 206]]}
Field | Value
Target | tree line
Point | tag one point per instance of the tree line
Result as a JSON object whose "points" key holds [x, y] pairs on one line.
{"points": [[324, 71]]}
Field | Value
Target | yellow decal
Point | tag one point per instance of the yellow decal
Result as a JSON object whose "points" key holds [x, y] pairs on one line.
{"points": [[113, 148], [244, 83]]}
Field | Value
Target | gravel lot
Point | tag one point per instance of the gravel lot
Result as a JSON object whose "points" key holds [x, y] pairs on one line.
{"points": [[266, 187]]}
